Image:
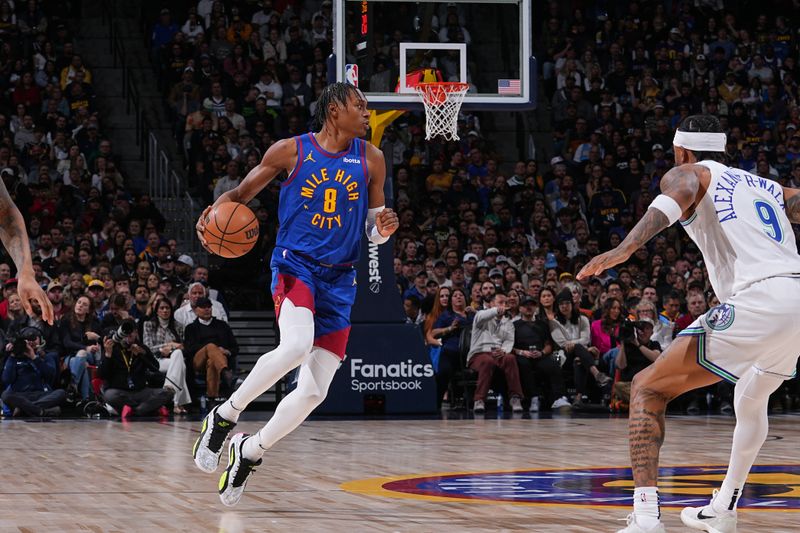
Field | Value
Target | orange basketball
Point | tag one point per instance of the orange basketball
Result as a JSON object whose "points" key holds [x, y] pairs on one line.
{"points": [[231, 230]]}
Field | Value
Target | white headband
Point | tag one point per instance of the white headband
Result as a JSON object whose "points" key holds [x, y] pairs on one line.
{"points": [[700, 141]]}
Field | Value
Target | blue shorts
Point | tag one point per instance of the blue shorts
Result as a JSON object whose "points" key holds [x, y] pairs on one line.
{"points": [[328, 291]]}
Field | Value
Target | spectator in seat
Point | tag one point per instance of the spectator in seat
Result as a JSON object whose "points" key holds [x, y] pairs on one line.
{"points": [[533, 348], [79, 331], [210, 345], [696, 304], [186, 313], [635, 354], [446, 331], [662, 331], [183, 272], [571, 332], [27, 377], [124, 370], [164, 337], [490, 347], [68, 74]]}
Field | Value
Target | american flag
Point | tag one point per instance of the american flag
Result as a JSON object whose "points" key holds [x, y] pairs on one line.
{"points": [[508, 87]]}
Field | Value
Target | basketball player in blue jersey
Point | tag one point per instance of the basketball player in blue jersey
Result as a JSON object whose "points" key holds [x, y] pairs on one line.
{"points": [[742, 224], [334, 191]]}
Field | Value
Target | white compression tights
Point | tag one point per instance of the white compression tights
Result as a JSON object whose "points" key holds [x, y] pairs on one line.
{"points": [[316, 374], [750, 400], [297, 338]]}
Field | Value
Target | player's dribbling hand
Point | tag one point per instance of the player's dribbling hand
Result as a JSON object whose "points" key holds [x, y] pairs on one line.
{"points": [[29, 290], [200, 227], [387, 222]]}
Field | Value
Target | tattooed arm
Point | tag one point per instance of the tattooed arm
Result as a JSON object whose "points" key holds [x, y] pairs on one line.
{"points": [[681, 184], [15, 240], [792, 199]]}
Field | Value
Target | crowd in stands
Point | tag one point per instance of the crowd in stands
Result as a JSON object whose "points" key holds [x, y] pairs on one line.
{"points": [[617, 83], [498, 243], [98, 248]]}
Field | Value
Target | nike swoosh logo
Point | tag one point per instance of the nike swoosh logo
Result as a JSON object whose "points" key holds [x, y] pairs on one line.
{"points": [[701, 516]]}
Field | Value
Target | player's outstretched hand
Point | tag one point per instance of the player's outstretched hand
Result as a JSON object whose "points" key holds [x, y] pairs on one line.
{"points": [[603, 262], [200, 227], [29, 291], [387, 222]]}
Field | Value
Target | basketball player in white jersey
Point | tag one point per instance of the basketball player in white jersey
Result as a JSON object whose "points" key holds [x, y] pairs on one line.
{"points": [[742, 225]]}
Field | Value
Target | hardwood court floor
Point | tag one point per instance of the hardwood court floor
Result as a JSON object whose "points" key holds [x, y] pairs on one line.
{"points": [[105, 476]]}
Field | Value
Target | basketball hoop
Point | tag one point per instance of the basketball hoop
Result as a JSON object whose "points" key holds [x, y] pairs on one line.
{"points": [[442, 101]]}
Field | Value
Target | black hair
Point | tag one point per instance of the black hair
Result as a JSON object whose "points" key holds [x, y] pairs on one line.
{"points": [[335, 93], [705, 124]]}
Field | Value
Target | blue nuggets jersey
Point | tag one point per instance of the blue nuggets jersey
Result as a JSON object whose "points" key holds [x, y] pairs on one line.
{"points": [[323, 204]]}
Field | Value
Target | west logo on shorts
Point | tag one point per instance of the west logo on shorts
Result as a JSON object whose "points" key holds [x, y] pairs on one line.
{"points": [[720, 317]]}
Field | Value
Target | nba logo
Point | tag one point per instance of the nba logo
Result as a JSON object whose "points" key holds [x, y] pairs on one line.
{"points": [[351, 74]]}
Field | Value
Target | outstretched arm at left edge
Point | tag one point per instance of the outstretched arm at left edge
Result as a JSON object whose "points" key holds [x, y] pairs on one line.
{"points": [[682, 185], [15, 240], [385, 221]]}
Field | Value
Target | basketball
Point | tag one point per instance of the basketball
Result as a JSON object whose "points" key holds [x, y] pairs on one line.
{"points": [[231, 230]]}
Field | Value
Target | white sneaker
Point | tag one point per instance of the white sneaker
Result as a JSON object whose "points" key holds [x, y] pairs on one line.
{"points": [[478, 406], [561, 402], [516, 405], [234, 478], [208, 447], [534, 408], [706, 519], [633, 527]]}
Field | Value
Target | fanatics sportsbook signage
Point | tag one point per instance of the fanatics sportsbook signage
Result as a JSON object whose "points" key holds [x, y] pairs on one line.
{"points": [[387, 370]]}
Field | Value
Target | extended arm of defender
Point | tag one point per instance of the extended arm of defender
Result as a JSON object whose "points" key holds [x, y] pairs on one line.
{"points": [[680, 185], [381, 221], [279, 157], [15, 240]]}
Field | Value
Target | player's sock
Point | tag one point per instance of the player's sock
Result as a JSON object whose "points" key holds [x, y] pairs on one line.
{"points": [[315, 377], [727, 498], [645, 506], [229, 411], [750, 400], [297, 337]]}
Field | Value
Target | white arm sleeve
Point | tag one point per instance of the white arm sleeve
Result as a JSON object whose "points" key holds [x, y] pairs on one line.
{"points": [[668, 206], [372, 228]]}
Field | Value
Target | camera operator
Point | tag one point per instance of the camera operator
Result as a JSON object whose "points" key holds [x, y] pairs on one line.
{"points": [[27, 378], [637, 351], [51, 341], [124, 368]]}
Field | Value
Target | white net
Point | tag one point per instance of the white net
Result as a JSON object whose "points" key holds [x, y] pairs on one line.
{"points": [[442, 102]]}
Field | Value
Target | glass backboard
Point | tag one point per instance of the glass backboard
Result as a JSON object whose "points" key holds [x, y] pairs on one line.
{"points": [[387, 46]]}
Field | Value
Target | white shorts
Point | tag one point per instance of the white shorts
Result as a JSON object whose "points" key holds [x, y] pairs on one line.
{"points": [[758, 327]]}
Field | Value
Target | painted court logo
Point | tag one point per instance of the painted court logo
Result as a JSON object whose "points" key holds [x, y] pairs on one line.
{"points": [[774, 487]]}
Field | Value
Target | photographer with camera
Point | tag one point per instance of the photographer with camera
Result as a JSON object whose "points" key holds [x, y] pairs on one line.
{"points": [[637, 351], [27, 377], [125, 368], [50, 345]]}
